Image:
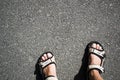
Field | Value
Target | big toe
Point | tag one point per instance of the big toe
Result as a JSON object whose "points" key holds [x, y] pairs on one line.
{"points": [[49, 55]]}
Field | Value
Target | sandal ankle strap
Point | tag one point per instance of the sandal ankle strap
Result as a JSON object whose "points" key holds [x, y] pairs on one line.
{"points": [[97, 67]]}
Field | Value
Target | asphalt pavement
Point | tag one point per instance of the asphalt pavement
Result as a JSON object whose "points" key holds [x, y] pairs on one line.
{"points": [[29, 28]]}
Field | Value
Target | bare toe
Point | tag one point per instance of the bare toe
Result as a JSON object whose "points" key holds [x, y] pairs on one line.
{"points": [[94, 45], [49, 55], [45, 56]]}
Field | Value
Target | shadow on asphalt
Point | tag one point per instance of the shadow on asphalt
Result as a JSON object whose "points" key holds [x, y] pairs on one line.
{"points": [[82, 74], [38, 71]]}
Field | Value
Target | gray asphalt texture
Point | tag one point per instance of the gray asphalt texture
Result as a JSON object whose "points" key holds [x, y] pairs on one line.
{"points": [[30, 27]]}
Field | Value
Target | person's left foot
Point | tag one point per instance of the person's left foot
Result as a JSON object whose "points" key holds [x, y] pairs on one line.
{"points": [[50, 70]]}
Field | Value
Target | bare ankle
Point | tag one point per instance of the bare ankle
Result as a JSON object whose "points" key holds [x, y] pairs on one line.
{"points": [[93, 72], [95, 75]]}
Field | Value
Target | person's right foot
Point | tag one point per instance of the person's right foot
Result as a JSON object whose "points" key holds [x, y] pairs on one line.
{"points": [[93, 59]]}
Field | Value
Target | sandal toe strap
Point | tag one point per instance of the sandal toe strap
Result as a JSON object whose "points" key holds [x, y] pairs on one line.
{"points": [[47, 62], [99, 53]]}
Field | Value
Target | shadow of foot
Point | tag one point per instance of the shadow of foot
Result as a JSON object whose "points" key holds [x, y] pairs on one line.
{"points": [[38, 71], [82, 74]]}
